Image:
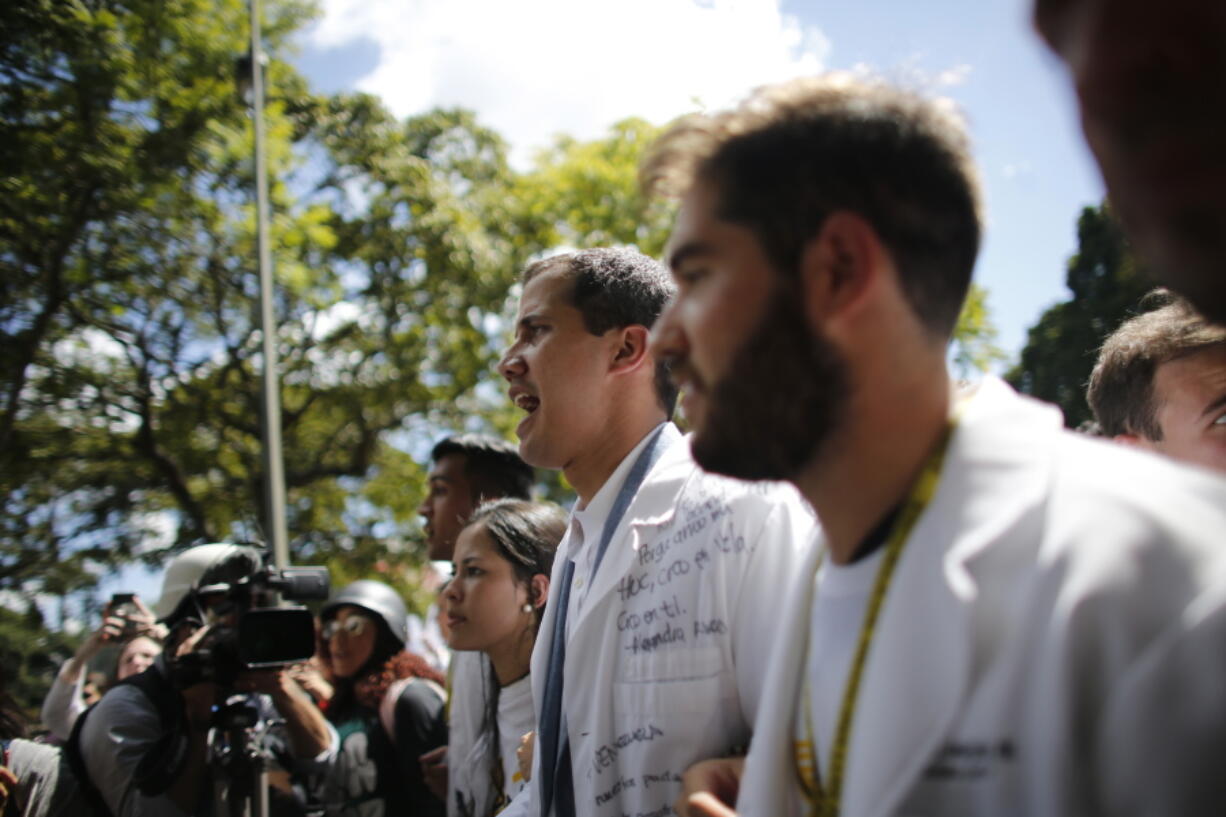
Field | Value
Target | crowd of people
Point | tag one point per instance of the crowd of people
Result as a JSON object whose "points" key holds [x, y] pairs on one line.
{"points": [[857, 586]]}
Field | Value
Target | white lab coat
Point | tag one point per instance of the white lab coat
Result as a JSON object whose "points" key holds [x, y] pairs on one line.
{"points": [[665, 661], [1053, 642]]}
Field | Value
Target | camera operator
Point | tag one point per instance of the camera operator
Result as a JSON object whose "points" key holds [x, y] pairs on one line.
{"points": [[144, 746]]}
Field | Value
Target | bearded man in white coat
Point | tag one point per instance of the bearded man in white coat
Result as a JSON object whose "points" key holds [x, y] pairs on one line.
{"points": [[1006, 618], [656, 632]]}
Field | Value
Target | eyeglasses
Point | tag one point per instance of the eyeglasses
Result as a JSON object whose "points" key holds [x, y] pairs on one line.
{"points": [[352, 626]]}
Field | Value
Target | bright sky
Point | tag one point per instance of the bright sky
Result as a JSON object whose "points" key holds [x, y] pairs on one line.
{"points": [[535, 68]]}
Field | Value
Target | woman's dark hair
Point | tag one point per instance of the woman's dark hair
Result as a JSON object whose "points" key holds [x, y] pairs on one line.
{"points": [[524, 533]]}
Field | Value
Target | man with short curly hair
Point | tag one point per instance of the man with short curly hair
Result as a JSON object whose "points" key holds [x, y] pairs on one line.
{"points": [[1160, 383], [650, 652]]}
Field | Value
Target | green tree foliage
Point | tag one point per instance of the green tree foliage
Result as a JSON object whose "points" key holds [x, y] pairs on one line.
{"points": [[30, 655], [131, 351], [587, 194], [974, 339], [108, 113], [1106, 285]]}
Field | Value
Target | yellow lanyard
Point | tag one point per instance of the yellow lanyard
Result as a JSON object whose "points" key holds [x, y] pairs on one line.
{"points": [[824, 800]]}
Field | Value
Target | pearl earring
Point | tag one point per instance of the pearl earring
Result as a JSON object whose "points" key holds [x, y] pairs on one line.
{"points": [[527, 608]]}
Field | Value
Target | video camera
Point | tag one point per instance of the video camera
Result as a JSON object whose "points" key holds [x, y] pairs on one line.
{"points": [[248, 630]]}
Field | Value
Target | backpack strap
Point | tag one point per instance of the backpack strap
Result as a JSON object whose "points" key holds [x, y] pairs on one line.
{"points": [[162, 763], [76, 762]]}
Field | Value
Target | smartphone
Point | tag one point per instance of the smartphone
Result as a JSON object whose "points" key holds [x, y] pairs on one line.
{"points": [[124, 606]]}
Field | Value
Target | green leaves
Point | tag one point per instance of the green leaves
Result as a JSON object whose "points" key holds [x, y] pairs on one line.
{"points": [[974, 337], [1106, 285], [586, 194]]}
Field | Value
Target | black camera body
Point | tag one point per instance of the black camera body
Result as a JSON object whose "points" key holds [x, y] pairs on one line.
{"points": [[261, 636]]}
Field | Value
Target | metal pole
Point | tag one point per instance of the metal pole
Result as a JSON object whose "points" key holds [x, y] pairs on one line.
{"points": [[274, 466]]}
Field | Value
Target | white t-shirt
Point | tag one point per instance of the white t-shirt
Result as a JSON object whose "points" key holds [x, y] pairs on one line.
{"points": [[471, 782], [840, 600], [516, 717]]}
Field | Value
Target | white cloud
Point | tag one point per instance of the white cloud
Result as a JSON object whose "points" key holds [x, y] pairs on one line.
{"points": [[953, 76], [536, 68], [912, 73], [1014, 169]]}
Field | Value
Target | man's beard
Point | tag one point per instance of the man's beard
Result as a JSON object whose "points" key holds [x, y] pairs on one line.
{"points": [[779, 402]]}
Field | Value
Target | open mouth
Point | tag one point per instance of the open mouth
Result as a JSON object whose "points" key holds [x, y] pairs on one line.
{"points": [[527, 402]]}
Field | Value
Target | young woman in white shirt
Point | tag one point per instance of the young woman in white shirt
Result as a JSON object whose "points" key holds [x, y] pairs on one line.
{"points": [[494, 603]]}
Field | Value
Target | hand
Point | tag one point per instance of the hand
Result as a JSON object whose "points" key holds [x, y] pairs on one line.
{"points": [[703, 804], [312, 680], [193, 638], [709, 788], [309, 734], [434, 770], [524, 755], [8, 782], [110, 632], [198, 698], [274, 682], [146, 621]]}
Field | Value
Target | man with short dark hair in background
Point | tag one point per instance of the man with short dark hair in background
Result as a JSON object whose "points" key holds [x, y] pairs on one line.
{"points": [[1006, 617], [660, 613], [1160, 383], [466, 470]]}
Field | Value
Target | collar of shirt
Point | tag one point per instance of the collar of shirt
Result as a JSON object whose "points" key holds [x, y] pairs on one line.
{"points": [[587, 526], [591, 519]]}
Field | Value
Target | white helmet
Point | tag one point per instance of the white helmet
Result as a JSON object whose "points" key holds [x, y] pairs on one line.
{"points": [[188, 570]]}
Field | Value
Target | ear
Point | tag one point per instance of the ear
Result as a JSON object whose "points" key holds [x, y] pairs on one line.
{"points": [[631, 351], [538, 590], [840, 268], [1135, 440]]}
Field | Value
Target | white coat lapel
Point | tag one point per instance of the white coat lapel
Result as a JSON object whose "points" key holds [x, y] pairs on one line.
{"points": [[919, 668], [539, 664], [653, 505]]}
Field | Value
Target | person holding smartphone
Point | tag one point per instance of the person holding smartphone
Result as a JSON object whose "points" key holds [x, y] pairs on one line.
{"points": [[126, 621]]}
